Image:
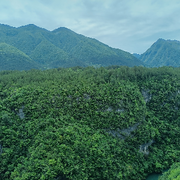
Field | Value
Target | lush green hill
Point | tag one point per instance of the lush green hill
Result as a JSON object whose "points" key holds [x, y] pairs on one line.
{"points": [[13, 59], [63, 48], [116, 123], [173, 173], [49, 55], [162, 53], [91, 51]]}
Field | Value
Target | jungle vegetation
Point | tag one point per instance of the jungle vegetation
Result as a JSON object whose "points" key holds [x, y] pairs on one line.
{"points": [[173, 173], [106, 123]]}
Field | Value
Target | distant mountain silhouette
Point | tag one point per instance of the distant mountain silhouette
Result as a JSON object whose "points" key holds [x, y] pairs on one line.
{"points": [[162, 53], [60, 48], [136, 55]]}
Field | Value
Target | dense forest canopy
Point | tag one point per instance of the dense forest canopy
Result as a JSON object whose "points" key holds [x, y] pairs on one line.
{"points": [[89, 123], [173, 173]]}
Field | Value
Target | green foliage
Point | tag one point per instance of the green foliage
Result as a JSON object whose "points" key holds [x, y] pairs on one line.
{"points": [[88, 123], [172, 174]]}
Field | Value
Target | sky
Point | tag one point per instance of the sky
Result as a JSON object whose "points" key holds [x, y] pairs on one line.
{"points": [[130, 25]]}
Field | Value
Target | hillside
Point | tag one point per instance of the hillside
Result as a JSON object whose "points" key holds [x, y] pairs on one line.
{"points": [[13, 59], [173, 173], [115, 123], [63, 48], [162, 53], [136, 55]]}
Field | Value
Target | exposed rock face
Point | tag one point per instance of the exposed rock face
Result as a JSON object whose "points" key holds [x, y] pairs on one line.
{"points": [[120, 110], [144, 147], [111, 109], [21, 113], [123, 133], [147, 96], [87, 97]]}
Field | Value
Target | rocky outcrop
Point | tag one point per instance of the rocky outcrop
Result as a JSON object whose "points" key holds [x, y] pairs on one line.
{"points": [[144, 147], [146, 94], [21, 113], [123, 133]]}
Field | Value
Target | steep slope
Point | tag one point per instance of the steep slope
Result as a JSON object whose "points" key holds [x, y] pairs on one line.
{"points": [[66, 48], [49, 55], [162, 53], [173, 173], [13, 59], [136, 55], [89, 123], [91, 51]]}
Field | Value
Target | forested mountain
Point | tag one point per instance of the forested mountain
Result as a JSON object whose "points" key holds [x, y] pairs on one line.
{"points": [[116, 123], [162, 53], [173, 173], [13, 59], [62, 48], [136, 55]]}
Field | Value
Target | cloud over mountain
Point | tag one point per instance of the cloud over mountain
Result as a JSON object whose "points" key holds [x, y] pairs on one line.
{"points": [[129, 25]]}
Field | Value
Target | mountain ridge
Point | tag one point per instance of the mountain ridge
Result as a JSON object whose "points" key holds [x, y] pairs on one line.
{"points": [[75, 49], [162, 53], [13, 59]]}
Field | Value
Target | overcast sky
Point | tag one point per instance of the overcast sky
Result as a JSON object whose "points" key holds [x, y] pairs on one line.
{"points": [[130, 25]]}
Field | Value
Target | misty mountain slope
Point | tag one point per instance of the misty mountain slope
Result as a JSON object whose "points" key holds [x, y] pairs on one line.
{"points": [[136, 55], [90, 50], [162, 53], [28, 38], [63, 47], [13, 59], [47, 53]]}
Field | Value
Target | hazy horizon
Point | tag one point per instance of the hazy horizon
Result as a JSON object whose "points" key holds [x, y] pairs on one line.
{"points": [[132, 25]]}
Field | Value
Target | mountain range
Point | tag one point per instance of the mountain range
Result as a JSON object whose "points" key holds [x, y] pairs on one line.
{"points": [[162, 53], [29, 46]]}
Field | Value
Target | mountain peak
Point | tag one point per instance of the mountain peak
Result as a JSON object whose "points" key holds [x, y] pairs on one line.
{"points": [[64, 48], [30, 27], [162, 53], [6, 27], [61, 29], [160, 40]]}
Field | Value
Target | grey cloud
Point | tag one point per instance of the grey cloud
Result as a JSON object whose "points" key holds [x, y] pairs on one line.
{"points": [[131, 25]]}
